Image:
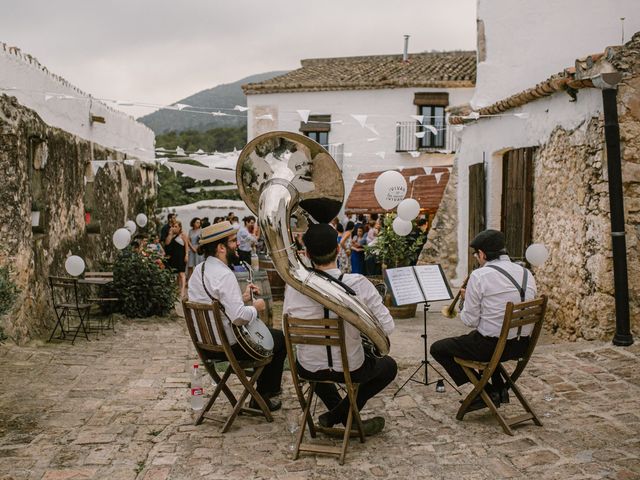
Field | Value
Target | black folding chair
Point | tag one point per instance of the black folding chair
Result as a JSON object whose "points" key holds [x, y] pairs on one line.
{"points": [[71, 314]]}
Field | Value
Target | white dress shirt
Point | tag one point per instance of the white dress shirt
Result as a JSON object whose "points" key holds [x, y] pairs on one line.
{"points": [[487, 294], [223, 286], [246, 240], [314, 357]]}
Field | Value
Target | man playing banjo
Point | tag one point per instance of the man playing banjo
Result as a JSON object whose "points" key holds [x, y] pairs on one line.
{"points": [[214, 278], [321, 363]]}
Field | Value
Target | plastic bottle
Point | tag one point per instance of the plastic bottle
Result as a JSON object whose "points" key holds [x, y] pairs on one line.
{"points": [[197, 392]]}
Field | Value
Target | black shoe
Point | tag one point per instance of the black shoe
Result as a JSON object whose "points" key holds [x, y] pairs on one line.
{"points": [[478, 402], [504, 395], [370, 426], [325, 420], [272, 404]]}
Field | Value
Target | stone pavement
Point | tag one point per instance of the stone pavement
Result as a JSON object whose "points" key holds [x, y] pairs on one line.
{"points": [[117, 408]]}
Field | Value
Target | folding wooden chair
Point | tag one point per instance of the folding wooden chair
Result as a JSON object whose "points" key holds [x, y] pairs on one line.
{"points": [[67, 306], [201, 319], [327, 332], [515, 316]]}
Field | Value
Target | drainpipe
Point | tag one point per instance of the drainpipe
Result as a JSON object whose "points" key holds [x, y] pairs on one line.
{"points": [[608, 83]]}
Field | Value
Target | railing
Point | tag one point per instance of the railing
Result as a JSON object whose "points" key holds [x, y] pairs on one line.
{"points": [[336, 150], [406, 140]]}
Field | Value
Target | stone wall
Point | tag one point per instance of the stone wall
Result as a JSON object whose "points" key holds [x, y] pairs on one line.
{"points": [[572, 215], [442, 241], [49, 170]]}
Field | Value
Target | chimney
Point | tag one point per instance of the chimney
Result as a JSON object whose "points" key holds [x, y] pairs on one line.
{"points": [[405, 55]]}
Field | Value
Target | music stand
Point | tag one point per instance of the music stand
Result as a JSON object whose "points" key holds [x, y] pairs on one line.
{"points": [[409, 285]]}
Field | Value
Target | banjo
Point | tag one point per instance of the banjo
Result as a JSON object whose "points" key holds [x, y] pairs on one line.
{"points": [[254, 338]]}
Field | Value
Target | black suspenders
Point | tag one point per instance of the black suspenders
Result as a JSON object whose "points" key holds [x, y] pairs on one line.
{"points": [[521, 289], [326, 315]]}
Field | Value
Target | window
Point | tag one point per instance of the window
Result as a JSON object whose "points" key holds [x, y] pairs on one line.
{"points": [[317, 128], [432, 105]]}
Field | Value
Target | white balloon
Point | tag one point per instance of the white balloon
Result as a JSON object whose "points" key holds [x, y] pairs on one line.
{"points": [[74, 265], [402, 227], [408, 209], [131, 226], [537, 254], [390, 188], [121, 238], [141, 220]]}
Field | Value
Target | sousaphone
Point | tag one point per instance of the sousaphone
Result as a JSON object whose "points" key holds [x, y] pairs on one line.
{"points": [[283, 176]]}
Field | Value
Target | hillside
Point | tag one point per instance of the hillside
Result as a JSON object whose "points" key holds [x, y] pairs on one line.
{"points": [[225, 96]]}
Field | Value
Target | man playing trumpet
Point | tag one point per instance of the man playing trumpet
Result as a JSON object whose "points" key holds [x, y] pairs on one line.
{"points": [[488, 290]]}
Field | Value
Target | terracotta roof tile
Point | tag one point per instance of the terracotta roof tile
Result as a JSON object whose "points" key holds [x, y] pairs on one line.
{"points": [[424, 189], [433, 69]]}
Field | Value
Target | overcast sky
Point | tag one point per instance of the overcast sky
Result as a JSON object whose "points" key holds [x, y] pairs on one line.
{"points": [[159, 51]]}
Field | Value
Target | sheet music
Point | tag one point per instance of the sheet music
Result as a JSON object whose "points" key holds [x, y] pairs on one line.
{"points": [[404, 286], [433, 282]]}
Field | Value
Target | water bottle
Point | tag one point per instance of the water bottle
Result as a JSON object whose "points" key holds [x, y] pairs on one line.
{"points": [[255, 261], [197, 392]]}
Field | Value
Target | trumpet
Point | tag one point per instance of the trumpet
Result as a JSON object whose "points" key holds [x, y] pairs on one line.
{"points": [[450, 310]]}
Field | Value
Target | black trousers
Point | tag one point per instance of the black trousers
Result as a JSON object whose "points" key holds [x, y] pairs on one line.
{"points": [[244, 256], [271, 378], [373, 376], [474, 346]]}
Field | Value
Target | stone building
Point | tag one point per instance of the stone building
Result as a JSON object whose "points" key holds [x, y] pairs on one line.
{"points": [[532, 158], [70, 179]]}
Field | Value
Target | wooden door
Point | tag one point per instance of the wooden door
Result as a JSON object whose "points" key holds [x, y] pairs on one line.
{"points": [[477, 206], [517, 200]]}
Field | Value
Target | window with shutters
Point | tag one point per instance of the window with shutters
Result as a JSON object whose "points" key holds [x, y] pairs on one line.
{"points": [[317, 127]]}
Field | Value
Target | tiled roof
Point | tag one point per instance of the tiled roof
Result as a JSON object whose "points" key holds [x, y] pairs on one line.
{"points": [[427, 70], [424, 188], [569, 80]]}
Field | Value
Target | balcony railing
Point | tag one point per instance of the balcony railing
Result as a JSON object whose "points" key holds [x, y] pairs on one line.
{"points": [[406, 140], [336, 150]]}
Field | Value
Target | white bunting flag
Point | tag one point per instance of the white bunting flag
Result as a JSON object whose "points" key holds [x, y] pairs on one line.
{"points": [[181, 106], [474, 115], [438, 176], [180, 151], [418, 118], [521, 115], [414, 154], [380, 154], [240, 108], [372, 139], [219, 114], [268, 116], [96, 165], [427, 170], [199, 151], [432, 129], [48, 96], [361, 119], [412, 178], [420, 134], [449, 169], [304, 115], [373, 129]]}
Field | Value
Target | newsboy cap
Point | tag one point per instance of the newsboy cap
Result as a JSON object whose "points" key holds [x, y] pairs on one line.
{"points": [[320, 239], [489, 241]]}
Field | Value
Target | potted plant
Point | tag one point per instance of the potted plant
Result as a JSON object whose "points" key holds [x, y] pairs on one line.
{"points": [[394, 251]]}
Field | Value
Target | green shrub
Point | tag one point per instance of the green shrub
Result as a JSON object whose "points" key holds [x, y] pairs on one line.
{"points": [[143, 285], [8, 294]]}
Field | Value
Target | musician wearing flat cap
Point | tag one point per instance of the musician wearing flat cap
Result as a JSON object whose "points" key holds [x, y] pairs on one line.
{"points": [[214, 278], [320, 363], [489, 288]]}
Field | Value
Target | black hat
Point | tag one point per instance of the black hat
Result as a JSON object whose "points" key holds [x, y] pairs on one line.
{"points": [[489, 241], [320, 239]]}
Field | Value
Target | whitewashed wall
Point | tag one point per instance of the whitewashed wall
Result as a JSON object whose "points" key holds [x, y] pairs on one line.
{"points": [[529, 40], [383, 107], [486, 140], [23, 77]]}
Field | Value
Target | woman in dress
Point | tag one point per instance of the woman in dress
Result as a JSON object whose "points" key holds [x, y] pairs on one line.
{"points": [[358, 241], [176, 245], [345, 248], [194, 240]]}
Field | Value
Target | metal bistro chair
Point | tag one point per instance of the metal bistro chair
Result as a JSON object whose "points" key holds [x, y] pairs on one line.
{"points": [[67, 306], [103, 302], [200, 319], [515, 316], [327, 332]]}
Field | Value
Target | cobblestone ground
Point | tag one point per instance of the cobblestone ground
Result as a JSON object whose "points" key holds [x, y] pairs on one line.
{"points": [[117, 408]]}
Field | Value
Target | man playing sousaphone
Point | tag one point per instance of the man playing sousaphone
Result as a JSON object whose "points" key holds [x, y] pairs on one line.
{"points": [[321, 363], [489, 288], [214, 278]]}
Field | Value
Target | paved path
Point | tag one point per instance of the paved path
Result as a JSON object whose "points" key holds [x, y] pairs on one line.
{"points": [[117, 408]]}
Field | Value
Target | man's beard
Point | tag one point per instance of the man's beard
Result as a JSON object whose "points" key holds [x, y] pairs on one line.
{"points": [[232, 257]]}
